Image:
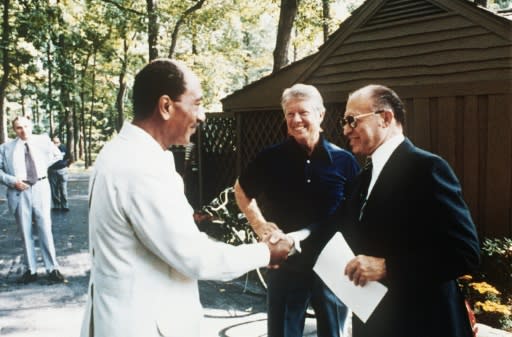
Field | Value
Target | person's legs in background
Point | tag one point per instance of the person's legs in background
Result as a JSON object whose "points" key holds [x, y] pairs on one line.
{"points": [[288, 297], [330, 312], [53, 178], [63, 188]]}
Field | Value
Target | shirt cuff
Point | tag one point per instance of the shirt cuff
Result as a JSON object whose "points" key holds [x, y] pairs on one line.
{"points": [[297, 237]]}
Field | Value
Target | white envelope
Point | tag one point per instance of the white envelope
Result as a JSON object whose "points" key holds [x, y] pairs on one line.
{"points": [[330, 267]]}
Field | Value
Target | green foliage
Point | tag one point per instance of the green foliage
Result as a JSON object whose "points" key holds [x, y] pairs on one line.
{"points": [[497, 262], [70, 58]]}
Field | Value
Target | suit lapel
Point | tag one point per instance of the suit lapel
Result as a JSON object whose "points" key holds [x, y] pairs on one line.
{"points": [[9, 155]]}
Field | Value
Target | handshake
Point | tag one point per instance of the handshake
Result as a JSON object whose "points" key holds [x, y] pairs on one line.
{"points": [[278, 243]]}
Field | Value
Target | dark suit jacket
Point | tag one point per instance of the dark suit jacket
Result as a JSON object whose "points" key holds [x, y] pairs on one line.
{"points": [[417, 220]]}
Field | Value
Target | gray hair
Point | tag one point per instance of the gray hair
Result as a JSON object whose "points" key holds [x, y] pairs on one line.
{"points": [[301, 91]]}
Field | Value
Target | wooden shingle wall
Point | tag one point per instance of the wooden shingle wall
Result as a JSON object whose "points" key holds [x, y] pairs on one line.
{"points": [[474, 134], [440, 49], [451, 63]]}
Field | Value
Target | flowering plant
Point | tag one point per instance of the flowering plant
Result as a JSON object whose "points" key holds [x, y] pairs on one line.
{"points": [[485, 301]]}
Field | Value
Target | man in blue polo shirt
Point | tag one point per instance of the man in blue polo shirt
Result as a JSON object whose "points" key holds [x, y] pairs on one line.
{"points": [[293, 186]]}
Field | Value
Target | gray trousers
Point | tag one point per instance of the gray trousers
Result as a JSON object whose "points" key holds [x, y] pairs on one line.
{"points": [[33, 212]]}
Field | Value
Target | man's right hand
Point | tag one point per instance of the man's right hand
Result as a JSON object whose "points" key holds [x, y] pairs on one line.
{"points": [[362, 269], [20, 185], [280, 246]]}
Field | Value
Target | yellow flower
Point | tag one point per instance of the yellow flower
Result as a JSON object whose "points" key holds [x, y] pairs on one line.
{"points": [[484, 288], [466, 278], [489, 306]]}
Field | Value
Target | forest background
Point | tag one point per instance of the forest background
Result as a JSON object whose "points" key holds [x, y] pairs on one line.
{"points": [[69, 64]]}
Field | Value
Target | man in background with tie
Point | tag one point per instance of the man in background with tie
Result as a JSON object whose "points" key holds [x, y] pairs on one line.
{"points": [[24, 162], [407, 223]]}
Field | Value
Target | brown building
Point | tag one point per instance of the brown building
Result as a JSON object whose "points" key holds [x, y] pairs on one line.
{"points": [[451, 62]]}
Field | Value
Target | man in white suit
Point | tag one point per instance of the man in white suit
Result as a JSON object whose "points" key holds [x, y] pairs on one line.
{"points": [[147, 253], [28, 194]]}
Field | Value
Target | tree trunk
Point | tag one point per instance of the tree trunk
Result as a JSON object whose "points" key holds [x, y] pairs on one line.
{"points": [[82, 131], [73, 141], [174, 35], [287, 15], [152, 29], [6, 32], [65, 70], [88, 149], [326, 18], [50, 80], [122, 87]]}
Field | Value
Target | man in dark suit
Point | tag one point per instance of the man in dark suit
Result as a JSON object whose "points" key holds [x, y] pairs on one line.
{"points": [[58, 176], [407, 223]]}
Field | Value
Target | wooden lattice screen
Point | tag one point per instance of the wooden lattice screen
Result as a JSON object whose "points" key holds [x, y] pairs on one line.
{"points": [[217, 155], [263, 128], [258, 130], [332, 126]]}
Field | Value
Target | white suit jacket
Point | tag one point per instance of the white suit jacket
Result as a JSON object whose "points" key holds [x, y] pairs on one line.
{"points": [[147, 253], [47, 152]]}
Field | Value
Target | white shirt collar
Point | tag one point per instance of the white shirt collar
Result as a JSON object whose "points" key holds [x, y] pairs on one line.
{"points": [[381, 156], [135, 133], [132, 131]]}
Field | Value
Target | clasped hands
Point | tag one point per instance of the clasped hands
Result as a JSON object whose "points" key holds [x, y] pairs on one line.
{"points": [[278, 243], [20, 185]]}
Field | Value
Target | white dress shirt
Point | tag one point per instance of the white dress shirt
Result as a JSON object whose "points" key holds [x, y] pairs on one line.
{"points": [[381, 156], [19, 159]]}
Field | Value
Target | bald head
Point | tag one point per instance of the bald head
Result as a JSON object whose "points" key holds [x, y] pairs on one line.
{"points": [[373, 115], [382, 98]]}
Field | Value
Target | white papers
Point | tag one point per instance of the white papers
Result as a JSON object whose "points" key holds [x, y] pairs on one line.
{"points": [[330, 266]]}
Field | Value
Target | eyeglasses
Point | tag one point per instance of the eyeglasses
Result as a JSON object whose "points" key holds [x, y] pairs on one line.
{"points": [[352, 120]]}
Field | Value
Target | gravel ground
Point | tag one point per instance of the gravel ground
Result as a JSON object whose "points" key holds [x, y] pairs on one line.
{"points": [[232, 309]]}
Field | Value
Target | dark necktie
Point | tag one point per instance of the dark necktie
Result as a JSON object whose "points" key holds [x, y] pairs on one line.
{"points": [[31, 166], [366, 177]]}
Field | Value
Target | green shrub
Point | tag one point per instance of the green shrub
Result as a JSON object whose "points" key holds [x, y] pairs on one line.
{"points": [[497, 263]]}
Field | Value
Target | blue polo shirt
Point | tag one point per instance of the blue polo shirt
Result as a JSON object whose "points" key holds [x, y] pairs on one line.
{"points": [[295, 190]]}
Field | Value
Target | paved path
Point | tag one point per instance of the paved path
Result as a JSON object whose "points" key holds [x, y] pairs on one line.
{"points": [[232, 309]]}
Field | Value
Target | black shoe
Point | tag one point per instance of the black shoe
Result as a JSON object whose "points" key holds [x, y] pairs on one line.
{"points": [[56, 277], [27, 277], [65, 209]]}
